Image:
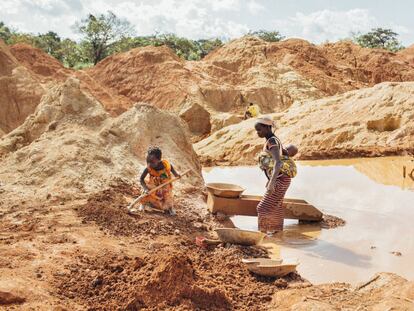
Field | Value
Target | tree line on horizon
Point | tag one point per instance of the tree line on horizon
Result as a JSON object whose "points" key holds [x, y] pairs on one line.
{"points": [[106, 34]]}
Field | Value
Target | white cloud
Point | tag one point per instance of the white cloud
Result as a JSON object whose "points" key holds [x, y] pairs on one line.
{"points": [[254, 7], [191, 18], [327, 25], [219, 5]]}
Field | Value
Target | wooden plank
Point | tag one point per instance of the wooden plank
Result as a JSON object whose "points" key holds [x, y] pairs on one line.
{"points": [[246, 206], [259, 197]]}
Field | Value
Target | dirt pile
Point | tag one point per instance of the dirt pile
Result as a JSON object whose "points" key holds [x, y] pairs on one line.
{"points": [[71, 145], [108, 209], [46, 67], [342, 66], [272, 75], [180, 278], [408, 53], [150, 74], [49, 70], [20, 91], [156, 75], [385, 291], [368, 122]]}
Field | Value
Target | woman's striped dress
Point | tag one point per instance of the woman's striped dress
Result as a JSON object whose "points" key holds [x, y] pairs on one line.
{"points": [[270, 209]]}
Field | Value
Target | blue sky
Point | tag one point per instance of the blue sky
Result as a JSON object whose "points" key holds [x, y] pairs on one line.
{"points": [[315, 20]]}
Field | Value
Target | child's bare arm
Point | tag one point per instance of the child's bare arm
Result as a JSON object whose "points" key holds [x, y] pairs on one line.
{"points": [[175, 172], [142, 179]]}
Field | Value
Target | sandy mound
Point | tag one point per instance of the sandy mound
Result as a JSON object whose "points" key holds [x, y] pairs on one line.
{"points": [[71, 145], [272, 75], [339, 67], [156, 75], [385, 291], [20, 91], [408, 53], [367, 122], [149, 74], [42, 64], [172, 278], [48, 69]]}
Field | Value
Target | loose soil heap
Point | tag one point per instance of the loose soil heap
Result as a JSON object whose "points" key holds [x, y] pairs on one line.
{"points": [[368, 122], [272, 75], [385, 291], [408, 53], [72, 146], [20, 91], [46, 67], [172, 278]]}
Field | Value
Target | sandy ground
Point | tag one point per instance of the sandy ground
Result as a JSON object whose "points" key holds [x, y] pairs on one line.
{"points": [[91, 255]]}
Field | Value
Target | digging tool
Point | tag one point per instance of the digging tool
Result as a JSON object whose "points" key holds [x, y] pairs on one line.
{"points": [[130, 206]]}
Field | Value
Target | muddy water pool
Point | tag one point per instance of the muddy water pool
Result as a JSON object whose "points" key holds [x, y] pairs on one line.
{"points": [[374, 196]]}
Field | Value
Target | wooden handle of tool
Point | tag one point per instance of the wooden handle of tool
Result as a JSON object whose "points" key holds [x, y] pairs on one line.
{"points": [[156, 188]]}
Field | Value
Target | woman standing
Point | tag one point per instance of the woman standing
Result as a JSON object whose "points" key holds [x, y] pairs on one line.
{"points": [[270, 209]]}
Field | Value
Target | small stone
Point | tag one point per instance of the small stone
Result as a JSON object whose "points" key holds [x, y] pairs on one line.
{"points": [[176, 231], [139, 262], [221, 216], [197, 225], [152, 231], [7, 298], [52, 126], [373, 247], [281, 283], [398, 254], [97, 281]]}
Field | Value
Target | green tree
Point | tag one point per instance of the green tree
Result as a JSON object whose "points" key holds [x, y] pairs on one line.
{"points": [[207, 45], [5, 32], [71, 53], [269, 36], [50, 43], [26, 38], [128, 43], [101, 32], [380, 38], [183, 47]]}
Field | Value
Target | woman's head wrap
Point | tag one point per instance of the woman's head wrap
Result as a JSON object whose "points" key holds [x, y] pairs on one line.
{"points": [[265, 120]]}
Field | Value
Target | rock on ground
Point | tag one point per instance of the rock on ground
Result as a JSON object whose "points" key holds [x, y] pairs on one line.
{"points": [[197, 118]]}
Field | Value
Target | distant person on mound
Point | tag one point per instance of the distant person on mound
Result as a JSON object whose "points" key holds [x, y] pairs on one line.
{"points": [[275, 161], [159, 172], [252, 111]]}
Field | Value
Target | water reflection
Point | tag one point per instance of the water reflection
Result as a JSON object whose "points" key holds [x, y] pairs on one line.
{"points": [[393, 171], [367, 193]]}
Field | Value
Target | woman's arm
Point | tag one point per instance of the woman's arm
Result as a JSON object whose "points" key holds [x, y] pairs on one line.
{"points": [[276, 170], [142, 180]]}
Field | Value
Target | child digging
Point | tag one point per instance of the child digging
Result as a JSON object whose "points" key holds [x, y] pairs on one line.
{"points": [[159, 171]]}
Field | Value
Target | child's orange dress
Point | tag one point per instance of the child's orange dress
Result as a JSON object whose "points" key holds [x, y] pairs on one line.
{"points": [[162, 198]]}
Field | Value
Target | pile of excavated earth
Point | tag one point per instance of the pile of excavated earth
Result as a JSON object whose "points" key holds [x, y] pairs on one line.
{"points": [[72, 144], [213, 93], [367, 122]]}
